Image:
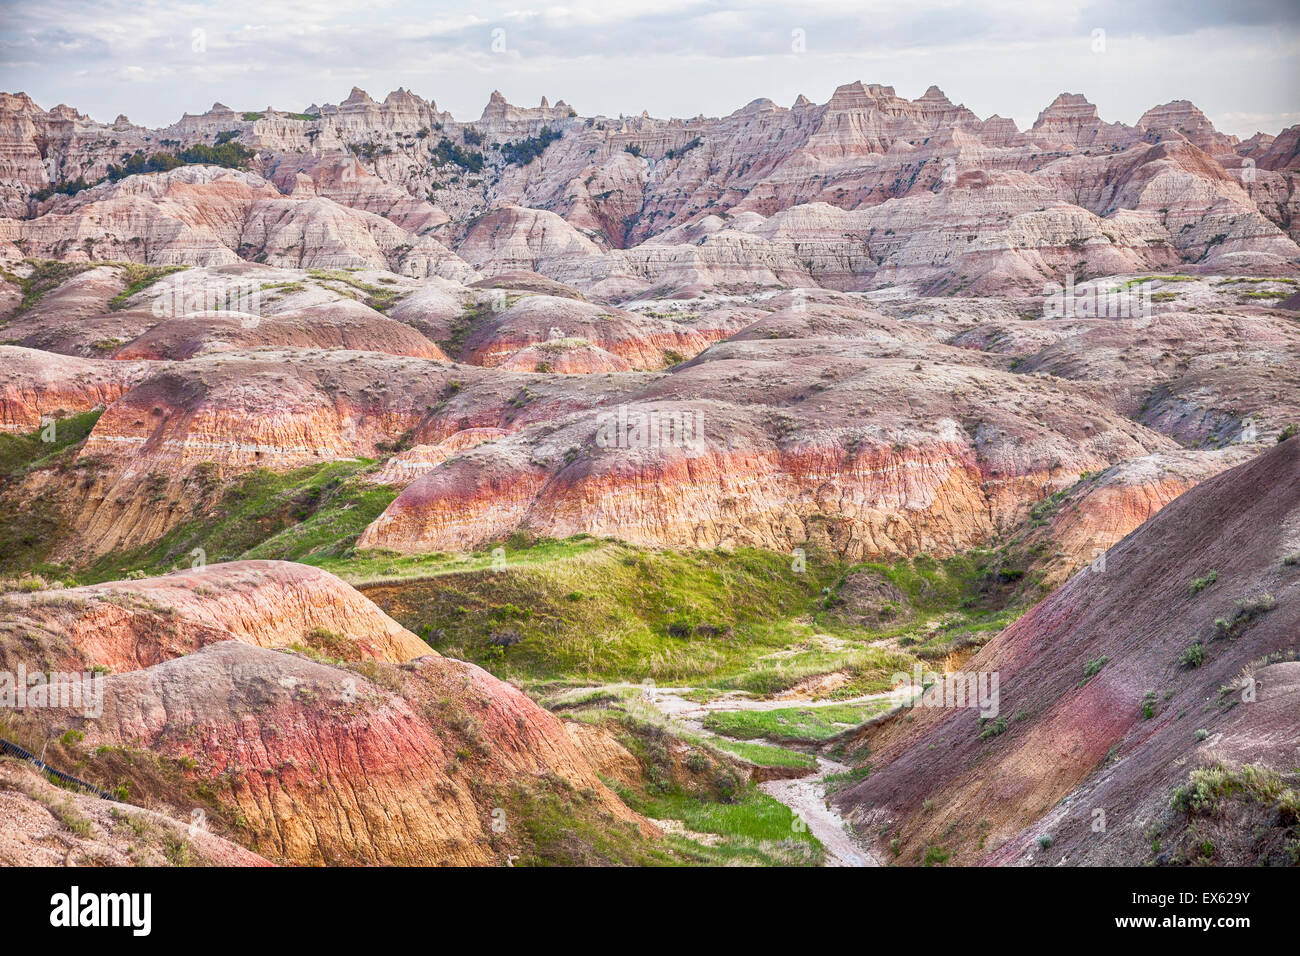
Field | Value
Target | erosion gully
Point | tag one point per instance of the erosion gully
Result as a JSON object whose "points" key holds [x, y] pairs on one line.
{"points": [[806, 795]]}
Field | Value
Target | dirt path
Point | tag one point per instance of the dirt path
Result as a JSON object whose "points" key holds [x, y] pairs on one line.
{"points": [[805, 796]]}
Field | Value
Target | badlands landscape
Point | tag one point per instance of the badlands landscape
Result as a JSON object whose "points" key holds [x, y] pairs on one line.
{"points": [[550, 489]]}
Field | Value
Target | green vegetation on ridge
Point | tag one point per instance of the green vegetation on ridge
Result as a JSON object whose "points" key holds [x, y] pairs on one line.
{"points": [[308, 514], [606, 611]]}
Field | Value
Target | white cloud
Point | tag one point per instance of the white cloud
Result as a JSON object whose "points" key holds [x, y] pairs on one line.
{"points": [[672, 57]]}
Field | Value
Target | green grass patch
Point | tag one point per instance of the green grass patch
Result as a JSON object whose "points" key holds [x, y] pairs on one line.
{"points": [[20, 454], [138, 278], [793, 724], [755, 829], [378, 297], [835, 782], [1175, 278], [608, 612], [763, 755], [944, 605], [363, 568], [549, 823], [31, 525]]}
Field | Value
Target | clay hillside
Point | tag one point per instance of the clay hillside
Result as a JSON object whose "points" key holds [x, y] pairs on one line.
{"points": [[1161, 690]]}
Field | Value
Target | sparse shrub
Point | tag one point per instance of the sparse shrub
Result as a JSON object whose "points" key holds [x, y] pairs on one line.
{"points": [[330, 644], [524, 151], [1247, 611], [505, 638], [1149, 705], [936, 855], [1045, 841], [1193, 656], [1254, 607], [1208, 786], [448, 152], [1092, 668], [1200, 584], [683, 149], [726, 784]]}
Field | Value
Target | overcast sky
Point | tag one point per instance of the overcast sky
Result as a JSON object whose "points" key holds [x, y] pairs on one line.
{"points": [[1238, 60]]}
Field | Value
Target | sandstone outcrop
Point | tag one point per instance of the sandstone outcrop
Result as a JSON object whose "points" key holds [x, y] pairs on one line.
{"points": [[1073, 193], [405, 466], [235, 411], [279, 740], [1102, 510], [581, 336], [342, 325], [193, 215], [208, 216], [516, 239]]}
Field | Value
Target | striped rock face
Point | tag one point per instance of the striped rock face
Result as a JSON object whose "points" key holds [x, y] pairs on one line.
{"points": [[286, 741], [278, 687], [1131, 617]]}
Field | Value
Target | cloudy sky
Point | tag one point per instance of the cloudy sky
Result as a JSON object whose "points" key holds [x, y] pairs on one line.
{"points": [[1239, 60]]}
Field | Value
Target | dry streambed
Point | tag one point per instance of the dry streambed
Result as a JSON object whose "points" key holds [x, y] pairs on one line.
{"points": [[804, 795]]}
